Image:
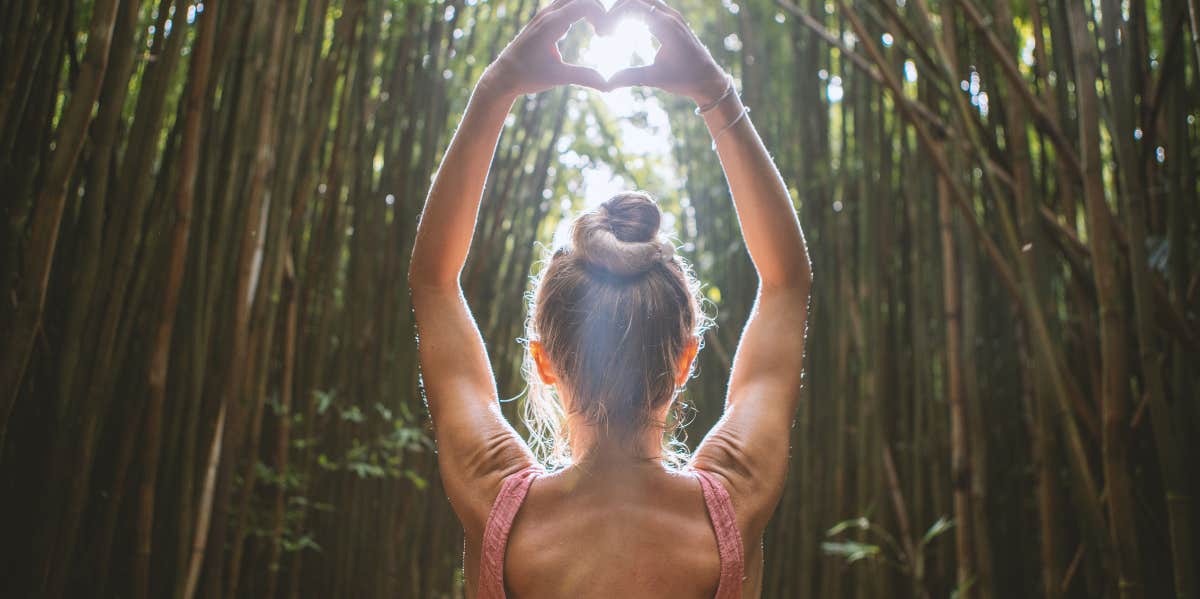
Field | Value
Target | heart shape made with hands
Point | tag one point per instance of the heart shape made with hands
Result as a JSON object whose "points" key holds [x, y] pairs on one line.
{"points": [[615, 47], [624, 53], [680, 65]]}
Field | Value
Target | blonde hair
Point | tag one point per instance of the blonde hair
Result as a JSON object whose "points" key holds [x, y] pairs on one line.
{"points": [[614, 310]]}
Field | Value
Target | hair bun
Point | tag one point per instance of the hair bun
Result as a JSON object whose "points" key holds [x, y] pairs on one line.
{"points": [[621, 235]]}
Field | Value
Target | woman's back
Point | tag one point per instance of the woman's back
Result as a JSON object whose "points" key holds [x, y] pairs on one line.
{"points": [[615, 325], [614, 532]]}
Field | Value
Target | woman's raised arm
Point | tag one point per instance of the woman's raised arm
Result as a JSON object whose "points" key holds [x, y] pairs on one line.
{"points": [[476, 446], [749, 446]]}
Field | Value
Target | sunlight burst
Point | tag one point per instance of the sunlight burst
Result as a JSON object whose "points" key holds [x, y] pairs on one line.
{"points": [[630, 43]]}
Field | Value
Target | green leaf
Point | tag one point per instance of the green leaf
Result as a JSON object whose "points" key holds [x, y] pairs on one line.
{"points": [[366, 470], [942, 525], [383, 411], [852, 551], [417, 481], [353, 414], [304, 542], [324, 399], [860, 523]]}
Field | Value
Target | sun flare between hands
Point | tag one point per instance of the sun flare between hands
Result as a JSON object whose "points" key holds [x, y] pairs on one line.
{"points": [[628, 44]]}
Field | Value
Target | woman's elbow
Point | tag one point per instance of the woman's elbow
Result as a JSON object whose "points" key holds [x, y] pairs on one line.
{"points": [[794, 279], [430, 274]]}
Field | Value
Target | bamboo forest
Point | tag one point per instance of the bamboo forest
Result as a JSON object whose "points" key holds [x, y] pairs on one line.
{"points": [[209, 384]]}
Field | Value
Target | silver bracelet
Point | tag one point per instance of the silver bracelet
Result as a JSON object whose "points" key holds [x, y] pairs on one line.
{"points": [[711, 105], [745, 111]]}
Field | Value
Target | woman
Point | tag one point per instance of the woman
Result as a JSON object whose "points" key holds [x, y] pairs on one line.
{"points": [[614, 330]]}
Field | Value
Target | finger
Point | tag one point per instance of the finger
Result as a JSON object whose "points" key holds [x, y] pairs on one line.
{"points": [[549, 8], [620, 5], [614, 15], [663, 6], [680, 22], [658, 19], [560, 19], [647, 75], [545, 11], [579, 75]]}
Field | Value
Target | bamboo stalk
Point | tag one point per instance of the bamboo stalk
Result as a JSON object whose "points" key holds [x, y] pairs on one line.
{"points": [[29, 296], [184, 192], [231, 394], [1113, 337], [960, 469]]}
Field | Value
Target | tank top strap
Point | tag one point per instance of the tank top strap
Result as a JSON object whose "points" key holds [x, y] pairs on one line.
{"points": [[729, 540], [495, 532]]}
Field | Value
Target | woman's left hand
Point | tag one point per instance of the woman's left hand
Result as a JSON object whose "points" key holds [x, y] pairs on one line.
{"points": [[531, 62], [682, 66]]}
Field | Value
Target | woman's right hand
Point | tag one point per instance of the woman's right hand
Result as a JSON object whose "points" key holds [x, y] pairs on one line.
{"points": [[531, 63], [682, 66]]}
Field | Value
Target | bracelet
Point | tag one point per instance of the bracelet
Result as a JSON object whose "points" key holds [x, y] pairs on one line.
{"points": [[745, 111], [713, 104]]}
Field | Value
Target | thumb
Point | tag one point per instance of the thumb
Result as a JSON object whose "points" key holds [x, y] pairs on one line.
{"points": [[644, 75], [580, 75]]}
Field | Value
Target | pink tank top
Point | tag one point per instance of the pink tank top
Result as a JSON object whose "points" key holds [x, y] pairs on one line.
{"points": [[516, 486]]}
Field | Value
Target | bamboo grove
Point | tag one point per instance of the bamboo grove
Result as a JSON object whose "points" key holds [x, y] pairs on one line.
{"points": [[209, 384]]}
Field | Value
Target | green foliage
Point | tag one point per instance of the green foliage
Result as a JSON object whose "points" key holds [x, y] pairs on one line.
{"points": [[888, 550], [380, 440], [942, 525], [377, 451], [852, 551]]}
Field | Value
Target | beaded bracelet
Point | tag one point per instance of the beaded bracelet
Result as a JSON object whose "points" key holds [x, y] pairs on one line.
{"points": [[745, 111], [713, 104]]}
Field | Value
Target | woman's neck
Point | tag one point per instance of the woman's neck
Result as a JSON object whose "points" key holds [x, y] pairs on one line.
{"points": [[597, 446]]}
